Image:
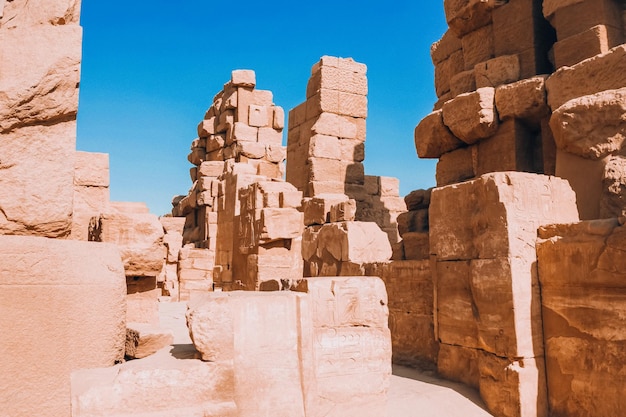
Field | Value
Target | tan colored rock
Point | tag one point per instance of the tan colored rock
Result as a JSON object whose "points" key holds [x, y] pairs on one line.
{"points": [[551, 6], [88, 202], [338, 79], [140, 238], [589, 43], [317, 209], [509, 230], [443, 48], [613, 200], [91, 169], [46, 174], [456, 166], [602, 72], [497, 71], [592, 126], [418, 199], [472, 116], [21, 13], [65, 304], [458, 363], [330, 124], [155, 386], [416, 245], [344, 211], [144, 340], [575, 18], [358, 242], [41, 85], [464, 16], [463, 82], [415, 220], [433, 138], [581, 270], [525, 99], [512, 148], [243, 78], [478, 46], [445, 72]]}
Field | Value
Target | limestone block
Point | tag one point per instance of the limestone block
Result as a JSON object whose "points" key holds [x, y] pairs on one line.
{"points": [[330, 124], [242, 327], [464, 16], [602, 72], [511, 148], [47, 174], [478, 46], [583, 308], [140, 238], [519, 26], [433, 138], [525, 99], [270, 136], [443, 48], [317, 209], [416, 245], [472, 116], [344, 211], [91, 169], [338, 79], [418, 199], [144, 340], [413, 221], [353, 105], [591, 126], [613, 200], [497, 71], [458, 363], [247, 97], [513, 388], [501, 213], [63, 309], [456, 166], [155, 386], [210, 169], [578, 17], [207, 128], [280, 223], [243, 78], [586, 44], [463, 82], [258, 116], [21, 13], [40, 74], [357, 242]]}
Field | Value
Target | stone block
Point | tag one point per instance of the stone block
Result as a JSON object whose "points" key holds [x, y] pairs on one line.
{"points": [[322, 146], [418, 199], [323, 101], [586, 44], [511, 148], [551, 6], [478, 46], [413, 221], [346, 64], [270, 136], [578, 17], [504, 69], [88, 203], [211, 169], [472, 116], [139, 237], [602, 72], [358, 242], [458, 363], [243, 78], [91, 169], [20, 13], [353, 105], [243, 132], [247, 97], [501, 213], [317, 209], [446, 46], [338, 79], [46, 174], [446, 70], [344, 211], [144, 340], [464, 16], [63, 309], [258, 116], [433, 138], [280, 223], [352, 150], [525, 99], [576, 123], [330, 124], [278, 118], [456, 166], [613, 200], [416, 245], [463, 82]]}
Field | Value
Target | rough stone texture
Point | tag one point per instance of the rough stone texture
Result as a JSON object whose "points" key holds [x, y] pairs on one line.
{"points": [[155, 387], [433, 138], [63, 308], [472, 116], [465, 16], [17, 13], [497, 71], [591, 42], [91, 191], [140, 238], [592, 126], [613, 200], [602, 72], [551, 6], [525, 99], [144, 340], [581, 270]]}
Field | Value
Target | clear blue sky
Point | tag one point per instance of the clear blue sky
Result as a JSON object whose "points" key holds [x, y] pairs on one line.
{"points": [[151, 68]]}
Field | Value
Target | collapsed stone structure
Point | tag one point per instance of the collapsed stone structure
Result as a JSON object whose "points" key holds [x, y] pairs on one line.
{"points": [[489, 277]]}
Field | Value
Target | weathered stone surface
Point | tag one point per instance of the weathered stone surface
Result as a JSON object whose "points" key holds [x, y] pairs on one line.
{"points": [[581, 269], [591, 42], [433, 138], [465, 16], [502, 212], [41, 85], [144, 340], [446, 46], [580, 16], [91, 169], [418, 199], [472, 116], [551, 6], [45, 175], [592, 126], [63, 308], [456, 166], [140, 238], [317, 209], [602, 72], [20, 13], [458, 363], [497, 71], [478, 46], [512, 148], [525, 99], [154, 387], [358, 242], [613, 200]]}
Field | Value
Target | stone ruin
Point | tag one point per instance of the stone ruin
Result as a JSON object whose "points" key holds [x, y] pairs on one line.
{"points": [[302, 291]]}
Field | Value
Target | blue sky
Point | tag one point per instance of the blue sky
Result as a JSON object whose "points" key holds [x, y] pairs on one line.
{"points": [[150, 71]]}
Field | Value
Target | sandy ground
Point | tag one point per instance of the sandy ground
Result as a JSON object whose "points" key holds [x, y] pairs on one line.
{"points": [[412, 393]]}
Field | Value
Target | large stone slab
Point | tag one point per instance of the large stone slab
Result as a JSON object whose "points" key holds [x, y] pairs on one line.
{"points": [[472, 116], [19, 13], [497, 215], [63, 309], [582, 270]]}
